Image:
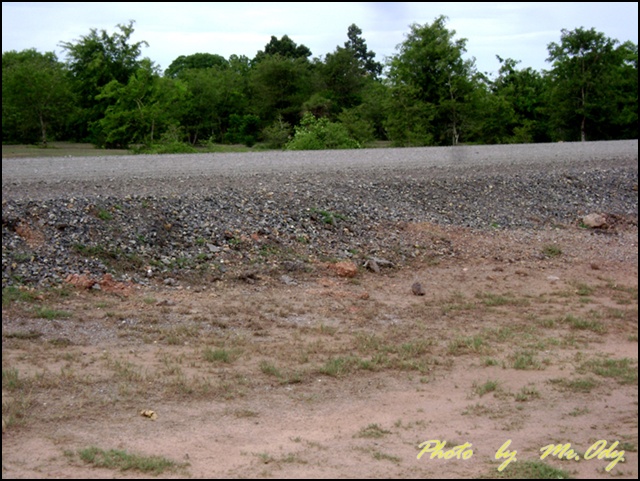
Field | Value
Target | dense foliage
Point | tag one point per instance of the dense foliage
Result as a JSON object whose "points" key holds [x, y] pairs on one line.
{"points": [[426, 94]]}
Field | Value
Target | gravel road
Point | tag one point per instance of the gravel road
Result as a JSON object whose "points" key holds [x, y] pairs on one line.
{"points": [[199, 212], [41, 178]]}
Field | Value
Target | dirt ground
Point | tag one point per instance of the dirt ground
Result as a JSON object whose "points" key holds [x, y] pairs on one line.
{"points": [[523, 342]]}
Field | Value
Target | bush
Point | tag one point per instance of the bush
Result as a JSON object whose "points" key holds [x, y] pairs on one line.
{"points": [[320, 134], [171, 142], [277, 134]]}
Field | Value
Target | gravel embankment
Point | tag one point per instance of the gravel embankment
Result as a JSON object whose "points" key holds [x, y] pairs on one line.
{"points": [[182, 214]]}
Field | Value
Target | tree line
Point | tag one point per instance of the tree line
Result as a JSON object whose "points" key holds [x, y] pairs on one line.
{"points": [[426, 94]]}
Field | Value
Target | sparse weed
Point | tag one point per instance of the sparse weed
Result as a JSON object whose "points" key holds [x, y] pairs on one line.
{"points": [[551, 250], [530, 470], [338, 366], [487, 387], [579, 412], [372, 431], [462, 345], [527, 393], [525, 360], [217, 355]]}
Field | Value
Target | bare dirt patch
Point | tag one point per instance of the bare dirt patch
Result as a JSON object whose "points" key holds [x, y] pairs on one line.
{"points": [[527, 336]]}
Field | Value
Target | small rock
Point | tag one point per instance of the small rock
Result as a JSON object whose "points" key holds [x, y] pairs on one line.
{"points": [[169, 281], [373, 265], [166, 302], [213, 248], [417, 289], [288, 280], [595, 221], [345, 269]]}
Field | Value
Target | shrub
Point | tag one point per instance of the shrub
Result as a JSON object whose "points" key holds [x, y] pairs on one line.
{"points": [[277, 134], [320, 134]]}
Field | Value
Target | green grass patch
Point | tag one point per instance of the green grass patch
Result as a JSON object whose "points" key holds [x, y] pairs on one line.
{"points": [[494, 300], [47, 313], [104, 214], [326, 217], [583, 289], [217, 355], [338, 366], [624, 370], [585, 385], [124, 461], [584, 324], [13, 294], [462, 345]]}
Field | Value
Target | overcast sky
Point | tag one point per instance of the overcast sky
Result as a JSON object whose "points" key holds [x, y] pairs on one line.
{"points": [[515, 30]]}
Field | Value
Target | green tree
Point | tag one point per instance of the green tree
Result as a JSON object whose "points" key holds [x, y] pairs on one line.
{"points": [[279, 87], [430, 77], [365, 57], [285, 47], [195, 61], [512, 106], [36, 96], [625, 93], [142, 109], [589, 76], [214, 94], [94, 61], [343, 80]]}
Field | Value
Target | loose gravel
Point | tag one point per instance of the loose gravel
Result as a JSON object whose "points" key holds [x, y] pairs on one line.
{"points": [[210, 215]]}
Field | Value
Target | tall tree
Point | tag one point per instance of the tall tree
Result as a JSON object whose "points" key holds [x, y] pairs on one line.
{"points": [[36, 96], [94, 61], [365, 57], [280, 86], [430, 70], [586, 68], [513, 106], [343, 79]]}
